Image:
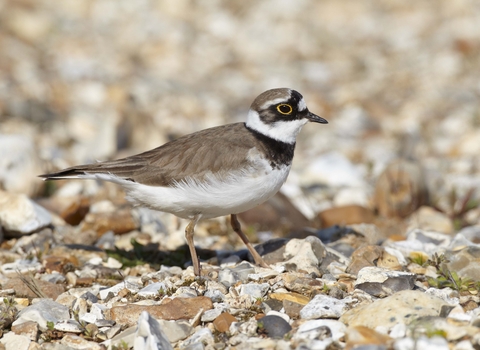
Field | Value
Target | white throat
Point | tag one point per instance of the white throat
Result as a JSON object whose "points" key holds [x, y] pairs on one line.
{"points": [[285, 131]]}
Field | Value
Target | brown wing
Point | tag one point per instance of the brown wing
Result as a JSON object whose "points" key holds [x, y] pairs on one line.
{"points": [[217, 150]]}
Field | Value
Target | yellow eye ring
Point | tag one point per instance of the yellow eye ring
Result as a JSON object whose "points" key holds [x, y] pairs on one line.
{"points": [[284, 109]]}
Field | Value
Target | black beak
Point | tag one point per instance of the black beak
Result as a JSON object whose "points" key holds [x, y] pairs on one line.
{"points": [[315, 118]]}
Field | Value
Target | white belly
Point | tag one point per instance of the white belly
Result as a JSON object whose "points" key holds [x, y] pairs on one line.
{"points": [[235, 194]]}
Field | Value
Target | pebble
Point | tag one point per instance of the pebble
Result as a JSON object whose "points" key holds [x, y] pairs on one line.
{"points": [[14, 341], [230, 276], [19, 215], [149, 335], [42, 312], [346, 215], [402, 307], [304, 255], [132, 286], [18, 162], [429, 219], [152, 289], [274, 326], [176, 330], [223, 321], [323, 306], [254, 290], [178, 308], [70, 326], [358, 336], [382, 282], [28, 329], [202, 336], [465, 262], [77, 342]]}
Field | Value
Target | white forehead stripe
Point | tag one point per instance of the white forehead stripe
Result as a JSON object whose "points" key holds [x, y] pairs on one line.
{"points": [[302, 105], [273, 102]]}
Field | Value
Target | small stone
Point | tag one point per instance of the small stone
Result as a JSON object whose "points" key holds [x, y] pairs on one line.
{"points": [[58, 263], [15, 342], [321, 329], [70, 326], [223, 321], [76, 342], [430, 219], [89, 297], [129, 285], [345, 215], [80, 306], [175, 309], [381, 282], [126, 336], [304, 255], [176, 330], [254, 290], [153, 289], [22, 266], [323, 306], [274, 326], [215, 295], [402, 307], [74, 211], [210, 315], [230, 276], [19, 215], [88, 317], [292, 309], [66, 299], [292, 297], [42, 312], [28, 329], [202, 336], [422, 342], [119, 222], [363, 257], [302, 284], [465, 262], [113, 331], [248, 328], [149, 335], [20, 159], [428, 242], [113, 263], [361, 335]]}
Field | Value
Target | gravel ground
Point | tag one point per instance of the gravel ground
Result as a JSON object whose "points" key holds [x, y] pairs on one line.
{"points": [[374, 239]]}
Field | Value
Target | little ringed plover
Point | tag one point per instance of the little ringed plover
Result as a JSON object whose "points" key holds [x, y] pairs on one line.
{"points": [[224, 170]]}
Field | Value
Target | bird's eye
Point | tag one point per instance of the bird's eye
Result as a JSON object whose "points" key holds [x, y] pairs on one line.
{"points": [[283, 108]]}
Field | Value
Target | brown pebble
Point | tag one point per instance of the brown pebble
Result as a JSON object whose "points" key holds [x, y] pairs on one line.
{"points": [[75, 212], [84, 281], [223, 321], [119, 222], [176, 309], [50, 290], [345, 215]]}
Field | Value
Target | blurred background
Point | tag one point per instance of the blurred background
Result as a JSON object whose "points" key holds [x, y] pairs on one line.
{"points": [[93, 80]]}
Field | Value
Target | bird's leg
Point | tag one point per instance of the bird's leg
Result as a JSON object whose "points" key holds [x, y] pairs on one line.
{"points": [[189, 231], [238, 229]]}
